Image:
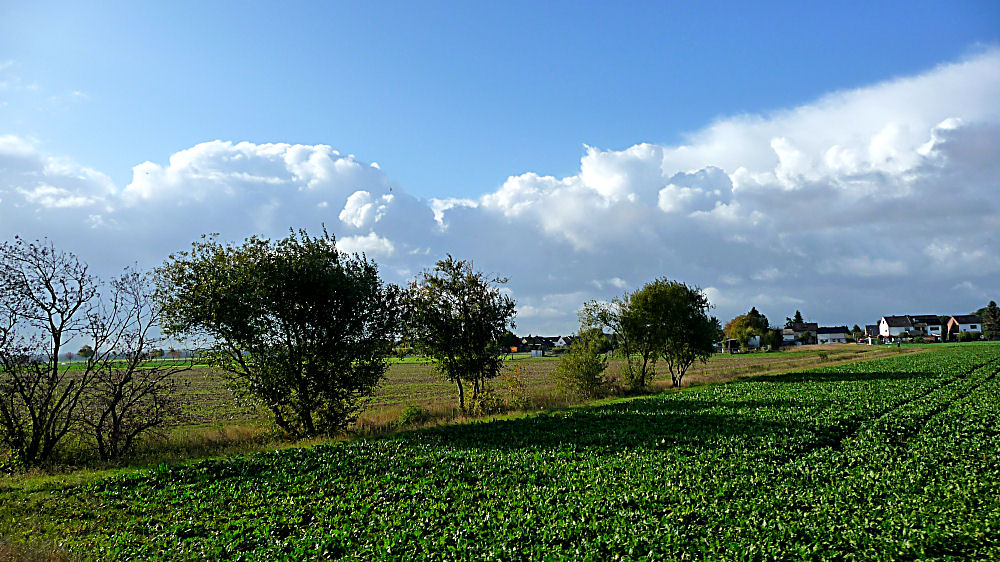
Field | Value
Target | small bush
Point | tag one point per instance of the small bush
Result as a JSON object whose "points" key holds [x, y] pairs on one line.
{"points": [[967, 336], [824, 356], [413, 414], [515, 382], [488, 402], [582, 369]]}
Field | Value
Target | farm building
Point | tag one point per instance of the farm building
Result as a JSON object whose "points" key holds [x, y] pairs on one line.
{"points": [[834, 334]]}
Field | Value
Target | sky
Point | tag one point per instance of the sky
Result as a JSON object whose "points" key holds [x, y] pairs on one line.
{"points": [[835, 158]]}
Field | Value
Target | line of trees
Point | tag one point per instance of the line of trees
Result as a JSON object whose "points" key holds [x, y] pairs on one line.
{"points": [[294, 324]]}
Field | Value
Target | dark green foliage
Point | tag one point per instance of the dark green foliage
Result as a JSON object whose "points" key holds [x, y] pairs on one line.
{"points": [[797, 319], [629, 317], [664, 319], [991, 321], [459, 317], [883, 460], [302, 327], [685, 331], [601, 340], [582, 369], [413, 414], [510, 340], [772, 340]]}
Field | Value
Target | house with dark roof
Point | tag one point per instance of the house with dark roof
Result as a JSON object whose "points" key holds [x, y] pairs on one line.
{"points": [[831, 334], [799, 331], [565, 341], [928, 324], [538, 343], [894, 326], [911, 325], [964, 323]]}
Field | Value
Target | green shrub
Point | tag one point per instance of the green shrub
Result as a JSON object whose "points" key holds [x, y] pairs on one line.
{"points": [[413, 414], [582, 369], [515, 382], [486, 403]]}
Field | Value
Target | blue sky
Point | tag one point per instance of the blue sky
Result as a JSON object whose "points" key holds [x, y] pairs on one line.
{"points": [[452, 97], [495, 105]]}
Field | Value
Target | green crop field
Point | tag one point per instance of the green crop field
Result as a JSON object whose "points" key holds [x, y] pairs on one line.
{"points": [[894, 458]]}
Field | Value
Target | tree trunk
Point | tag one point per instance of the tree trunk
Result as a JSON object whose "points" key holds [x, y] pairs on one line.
{"points": [[461, 394]]}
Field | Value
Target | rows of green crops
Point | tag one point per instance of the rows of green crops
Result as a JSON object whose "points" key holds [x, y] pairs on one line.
{"points": [[897, 458]]}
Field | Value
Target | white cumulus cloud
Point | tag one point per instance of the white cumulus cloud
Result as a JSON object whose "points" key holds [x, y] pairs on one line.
{"points": [[882, 198]]}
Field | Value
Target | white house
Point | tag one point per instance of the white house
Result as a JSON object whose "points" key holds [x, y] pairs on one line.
{"points": [[911, 325], [963, 323], [565, 341], [894, 326], [835, 334]]}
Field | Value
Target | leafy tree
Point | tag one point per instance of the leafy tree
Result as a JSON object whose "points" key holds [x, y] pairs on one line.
{"points": [[600, 338], [86, 352], [773, 339], [789, 322], [297, 324], [991, 321], [664, 319], [582, 369], [746, 326], [510, 340], [459, 317], [857, 333], [687, 332], [631, 318]]}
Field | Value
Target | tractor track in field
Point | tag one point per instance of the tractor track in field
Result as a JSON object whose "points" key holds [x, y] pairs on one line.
{"points": [[930, 391], [838, 439], [914, 426], [913, 429]]}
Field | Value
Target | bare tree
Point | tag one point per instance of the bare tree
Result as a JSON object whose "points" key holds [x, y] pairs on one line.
{"points": [[45, 299], [131, 393], [48, 299]]}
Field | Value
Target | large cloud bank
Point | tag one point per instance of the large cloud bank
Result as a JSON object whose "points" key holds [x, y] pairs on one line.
{"points": [[873, 201]]}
